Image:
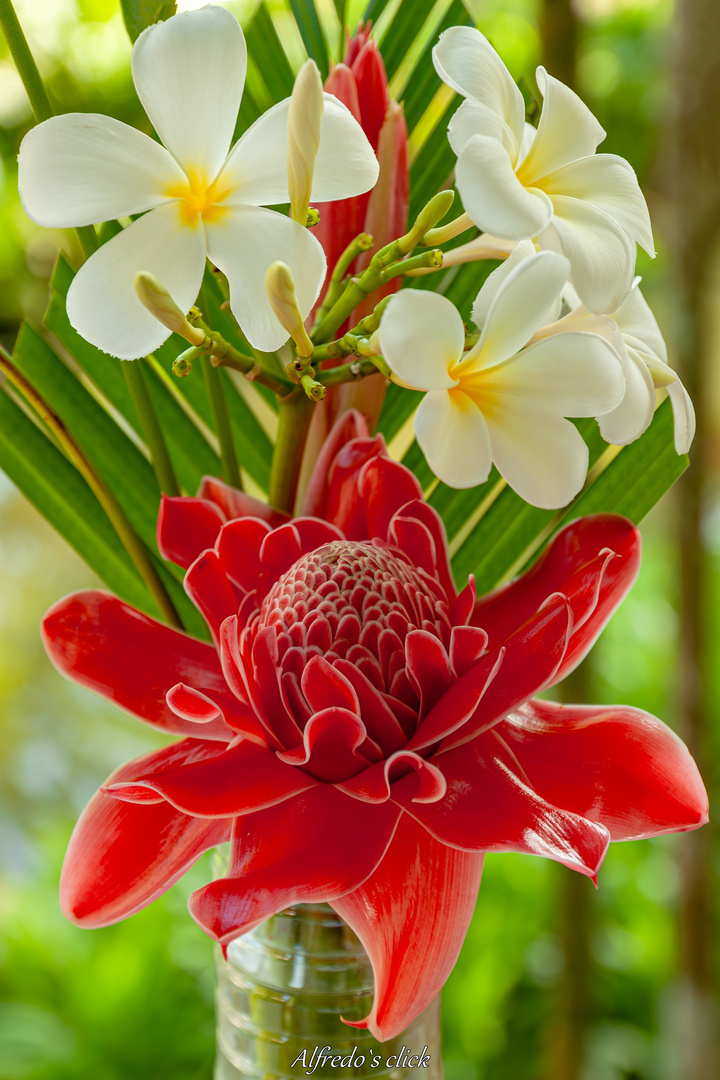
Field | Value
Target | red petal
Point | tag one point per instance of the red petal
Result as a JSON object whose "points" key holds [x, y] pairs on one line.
{"points": [[351, 425], [561, 569], [428, 668], [385, 487], [236, 504], [372, 89], [616, 765], [207, 585], [238, 549], [130, 659], [489, 808], [411, 915], [122, 856], [345, 507], [313, 848], [200, 708], [186, 527], [467, 645], [335, 746], [500, 680], [380, 721], [425, 782], [326, 687], [242, 780], [284, 546], [416, 522], [463, 607]]}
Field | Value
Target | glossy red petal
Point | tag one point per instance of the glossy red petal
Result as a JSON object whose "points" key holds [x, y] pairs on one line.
{"points": [[560, 569], [467, 645], [186, 527], [202, 708], [500, 680], [488, 807], [207, 585], [411, 915], [350, 425], [238, 550], [613, 764], [130, 659], [345, 506], [428, 668], [425, 782], [122, 856], [372, 89], [417, 521], [325, 687], [335, 746], [293, 854], [386, 486], [242, 780], [380, 721], [236, 504]]}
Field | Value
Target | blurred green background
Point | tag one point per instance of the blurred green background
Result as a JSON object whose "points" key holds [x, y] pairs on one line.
{"points": [[556, 981]]}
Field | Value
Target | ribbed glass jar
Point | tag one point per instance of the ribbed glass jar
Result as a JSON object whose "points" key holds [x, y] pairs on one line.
{"points": [[280, 996]]}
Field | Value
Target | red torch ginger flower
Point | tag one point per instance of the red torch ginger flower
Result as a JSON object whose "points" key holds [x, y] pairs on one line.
{"points": [[360, 731]]}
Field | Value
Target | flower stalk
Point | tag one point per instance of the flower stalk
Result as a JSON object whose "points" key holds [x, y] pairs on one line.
{"points": [[152, 432], [129, 538], [228, 454], [294, 414]]}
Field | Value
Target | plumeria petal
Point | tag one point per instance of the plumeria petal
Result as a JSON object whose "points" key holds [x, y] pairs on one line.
{"points": [[542, 456], [633, 415], [609, 183], [130, 659], [491, 286], [467, 62], [571, 374], [277, 860], [567, 130], [422, 337], [637, 777], [488, 807], [492, 195], [123, 856], [602, 257], [636, 320], [684, 416], [82, 168], [452, 433], [257, 167], [243, 244], [176, 67], [523, 302], [101, 301], [411, 915], [472, 118]]}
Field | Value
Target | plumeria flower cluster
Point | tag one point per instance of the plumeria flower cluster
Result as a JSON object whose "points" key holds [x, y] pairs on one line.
{"points": [[203, 199]]}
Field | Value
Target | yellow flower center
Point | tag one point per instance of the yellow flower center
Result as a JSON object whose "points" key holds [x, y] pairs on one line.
{"points": [[198, 200]]}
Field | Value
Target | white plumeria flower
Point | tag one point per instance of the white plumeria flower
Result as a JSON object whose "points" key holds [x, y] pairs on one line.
{"points": [[82, 168], [497, 403], [547, 184], [634, 333]]}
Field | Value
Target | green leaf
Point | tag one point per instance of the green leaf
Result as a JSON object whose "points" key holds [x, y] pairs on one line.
{"points": [[424, 82], [398, 406], [116, 458], [266, 49], [402, 31], [55, 487], [312, 34], [139, 14], [433, 168], [191, 455]]}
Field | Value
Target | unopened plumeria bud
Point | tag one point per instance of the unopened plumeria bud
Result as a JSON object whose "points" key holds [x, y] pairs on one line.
{"points": [[433, 211], [303, 126], [153, 295], [280, 287]]}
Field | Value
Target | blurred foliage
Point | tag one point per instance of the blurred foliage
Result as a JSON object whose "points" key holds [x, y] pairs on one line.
{"points": [[136, 999]]}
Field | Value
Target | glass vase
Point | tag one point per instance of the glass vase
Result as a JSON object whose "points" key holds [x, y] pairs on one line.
{"points": [[281, 993]]}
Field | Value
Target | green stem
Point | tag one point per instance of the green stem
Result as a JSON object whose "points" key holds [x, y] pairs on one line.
{"points": [[293, 421], [358, 369], [130, 540], [36, 92], [231, 472], [151, 430], [25, 62], [224, 355]]}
